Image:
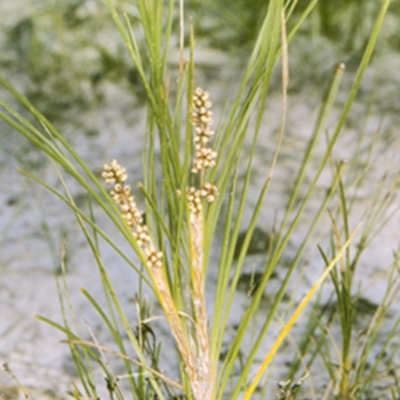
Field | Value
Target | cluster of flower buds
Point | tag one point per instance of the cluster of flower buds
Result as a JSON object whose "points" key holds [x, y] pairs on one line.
{"points": [[195, 196], [115, 174], [202, 119], [204, 156]]}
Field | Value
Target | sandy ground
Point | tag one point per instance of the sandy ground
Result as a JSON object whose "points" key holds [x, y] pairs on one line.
{"points": [[33, 224]]}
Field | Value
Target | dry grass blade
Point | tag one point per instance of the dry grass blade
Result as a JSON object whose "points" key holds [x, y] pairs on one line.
{"points": [[104, 349], [286, 329]]}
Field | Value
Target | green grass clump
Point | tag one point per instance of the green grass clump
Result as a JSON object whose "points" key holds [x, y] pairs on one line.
{"points": [[190, 189]]}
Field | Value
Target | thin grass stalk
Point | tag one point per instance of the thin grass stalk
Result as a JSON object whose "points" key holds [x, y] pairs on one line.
{"points": [[344, 212], [109, 376], [376, 217], [346, 313], [310, 7], [113, 326], [91, 345], [67, 165], [383, 355], [254, 218], [295, 316], [109, 289], [226, 258], [203, 387], [229, 294], [362, 157], [180, 230], [306, 345], [23, 126], [252, 308], [374, 327], [324, 113], [266, 77], [82, 363], [249, 230], [350, 99], [346, 284], [177, 215], [234, 348], [112, 321], [342, 280], [53, 136], [156, 267], [261, 63], [87, 219], [84, 371]]}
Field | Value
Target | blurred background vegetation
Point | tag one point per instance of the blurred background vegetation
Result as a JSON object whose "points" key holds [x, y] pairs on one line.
{"points": [[347, 23], [62, 53]]}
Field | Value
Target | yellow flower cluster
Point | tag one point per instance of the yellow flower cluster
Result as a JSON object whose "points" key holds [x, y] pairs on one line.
{"points": [[115, 174], [205, 157], [202, 119]]}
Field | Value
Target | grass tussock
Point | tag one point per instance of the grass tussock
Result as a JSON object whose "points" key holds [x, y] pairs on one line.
{"points": [[195, 208]]}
